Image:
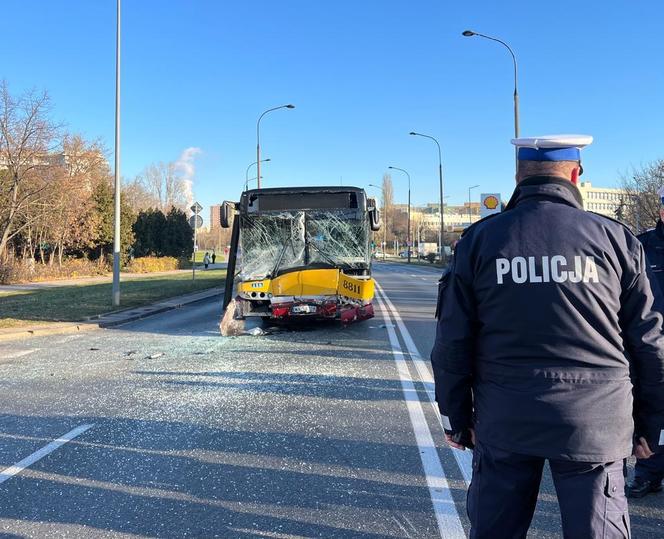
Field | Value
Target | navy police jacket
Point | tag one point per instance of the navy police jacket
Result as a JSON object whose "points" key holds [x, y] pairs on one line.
{"points": [[653, 245], [545, 318]]}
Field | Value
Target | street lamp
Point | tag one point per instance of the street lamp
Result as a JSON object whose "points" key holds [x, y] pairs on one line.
{"points": [[470, 33], [470, 219], [258, 139], [408, 233], [246, 185], [443, 255], [246, 174], [115, 291], [385, 229]]}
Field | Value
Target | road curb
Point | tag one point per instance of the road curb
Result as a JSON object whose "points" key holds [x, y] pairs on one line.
{"points": [[109, 320]]}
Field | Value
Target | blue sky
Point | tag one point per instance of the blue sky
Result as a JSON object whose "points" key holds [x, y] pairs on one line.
{"points": [[362, 74]]}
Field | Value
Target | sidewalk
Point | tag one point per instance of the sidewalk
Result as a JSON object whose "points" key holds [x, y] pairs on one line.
{"points": [[110, 319], [124, 276]]}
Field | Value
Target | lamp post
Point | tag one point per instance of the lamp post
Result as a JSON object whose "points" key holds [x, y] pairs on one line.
{"points": [[408, 233], [385, 230], [246, 185], [117, 211], [443, 255], [246, 174], [470, 219], [470, 33], [258, 139]]}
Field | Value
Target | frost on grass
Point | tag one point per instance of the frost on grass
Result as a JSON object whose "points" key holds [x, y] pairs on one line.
{"points": [[274, 241]]}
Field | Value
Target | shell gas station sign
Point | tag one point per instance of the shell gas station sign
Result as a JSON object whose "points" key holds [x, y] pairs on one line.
{"points": [[489, 204]]}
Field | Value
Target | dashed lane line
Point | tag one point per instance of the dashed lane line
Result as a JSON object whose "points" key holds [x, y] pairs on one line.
{"points": [[17, 468], [463, 458], [445, 510]]}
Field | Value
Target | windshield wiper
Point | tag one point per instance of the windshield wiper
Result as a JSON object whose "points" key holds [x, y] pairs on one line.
{"points": [[272, 274], [331, 260]]}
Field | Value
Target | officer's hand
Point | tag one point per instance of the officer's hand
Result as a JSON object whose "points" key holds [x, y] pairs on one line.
{"points": [[642, 449], [450, 441]]}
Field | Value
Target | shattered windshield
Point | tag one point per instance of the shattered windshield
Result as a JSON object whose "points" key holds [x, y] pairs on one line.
{"points": [[274, 242]]}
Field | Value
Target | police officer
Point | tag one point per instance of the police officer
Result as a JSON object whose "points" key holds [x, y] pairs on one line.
{"points": [[648, 474], [544, 316]]}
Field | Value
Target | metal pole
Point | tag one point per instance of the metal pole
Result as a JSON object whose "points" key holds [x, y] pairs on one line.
{"points": [[408, 233], [246, 176], [116, 216], [443, 254], [469, 216], [470, 33], [258, 140], [193, 264], [258, 157]]}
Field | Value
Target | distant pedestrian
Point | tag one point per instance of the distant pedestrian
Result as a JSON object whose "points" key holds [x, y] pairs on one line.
{"points": [[214, 256], [206, 260], [548, 348]]}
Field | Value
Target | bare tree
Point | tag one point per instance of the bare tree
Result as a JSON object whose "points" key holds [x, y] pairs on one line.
{"points": [[165, 186], [138, 197], [388, 203], [640, 206], [27, 137]]}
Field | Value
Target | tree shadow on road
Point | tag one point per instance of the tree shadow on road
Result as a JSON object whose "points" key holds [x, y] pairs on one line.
{"points": [[168, 479]]}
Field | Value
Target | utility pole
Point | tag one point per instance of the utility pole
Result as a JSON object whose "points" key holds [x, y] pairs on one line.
{"points": [[258, 140], [194, 222], [117, 208], [470, 217], [471, 33]]}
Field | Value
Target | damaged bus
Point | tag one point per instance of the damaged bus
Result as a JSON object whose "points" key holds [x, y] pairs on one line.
{"points": [[301, 252]]}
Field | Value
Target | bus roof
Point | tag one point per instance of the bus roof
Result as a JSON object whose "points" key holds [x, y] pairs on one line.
{"points": [[301, 198], [306, 190]]}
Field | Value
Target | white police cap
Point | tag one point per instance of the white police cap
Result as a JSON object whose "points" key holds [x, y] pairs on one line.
{"points": [[552, 147]]}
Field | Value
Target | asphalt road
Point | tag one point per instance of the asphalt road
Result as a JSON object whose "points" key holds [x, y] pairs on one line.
{"points": [[178, 432]]}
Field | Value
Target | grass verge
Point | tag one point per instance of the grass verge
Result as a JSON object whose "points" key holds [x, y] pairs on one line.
{"points": [[75, 303]]}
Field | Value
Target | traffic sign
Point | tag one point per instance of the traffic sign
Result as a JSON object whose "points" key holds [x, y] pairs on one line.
{"points": [[196, 208], [195, 221]]}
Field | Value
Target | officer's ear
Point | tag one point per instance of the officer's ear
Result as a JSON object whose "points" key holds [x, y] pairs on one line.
{"points": [[576, 172]]}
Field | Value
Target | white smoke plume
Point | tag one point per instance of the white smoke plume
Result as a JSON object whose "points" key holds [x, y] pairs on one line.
{"points": [[186, 169]]}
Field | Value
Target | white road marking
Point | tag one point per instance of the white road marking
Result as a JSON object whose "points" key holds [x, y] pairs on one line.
{"points": [[17, 468], [19, 353], [463, 458], [447, 516]]}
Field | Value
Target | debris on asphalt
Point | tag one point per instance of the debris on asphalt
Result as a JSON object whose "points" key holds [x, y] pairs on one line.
{"points": [[155, 356], [94, 349], [385, 326], [256, 332], [229, 326]]}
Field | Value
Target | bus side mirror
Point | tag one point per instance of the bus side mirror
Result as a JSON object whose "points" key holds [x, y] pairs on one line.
{"points": [[374, 215], [374, 218], [226, 212]]}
